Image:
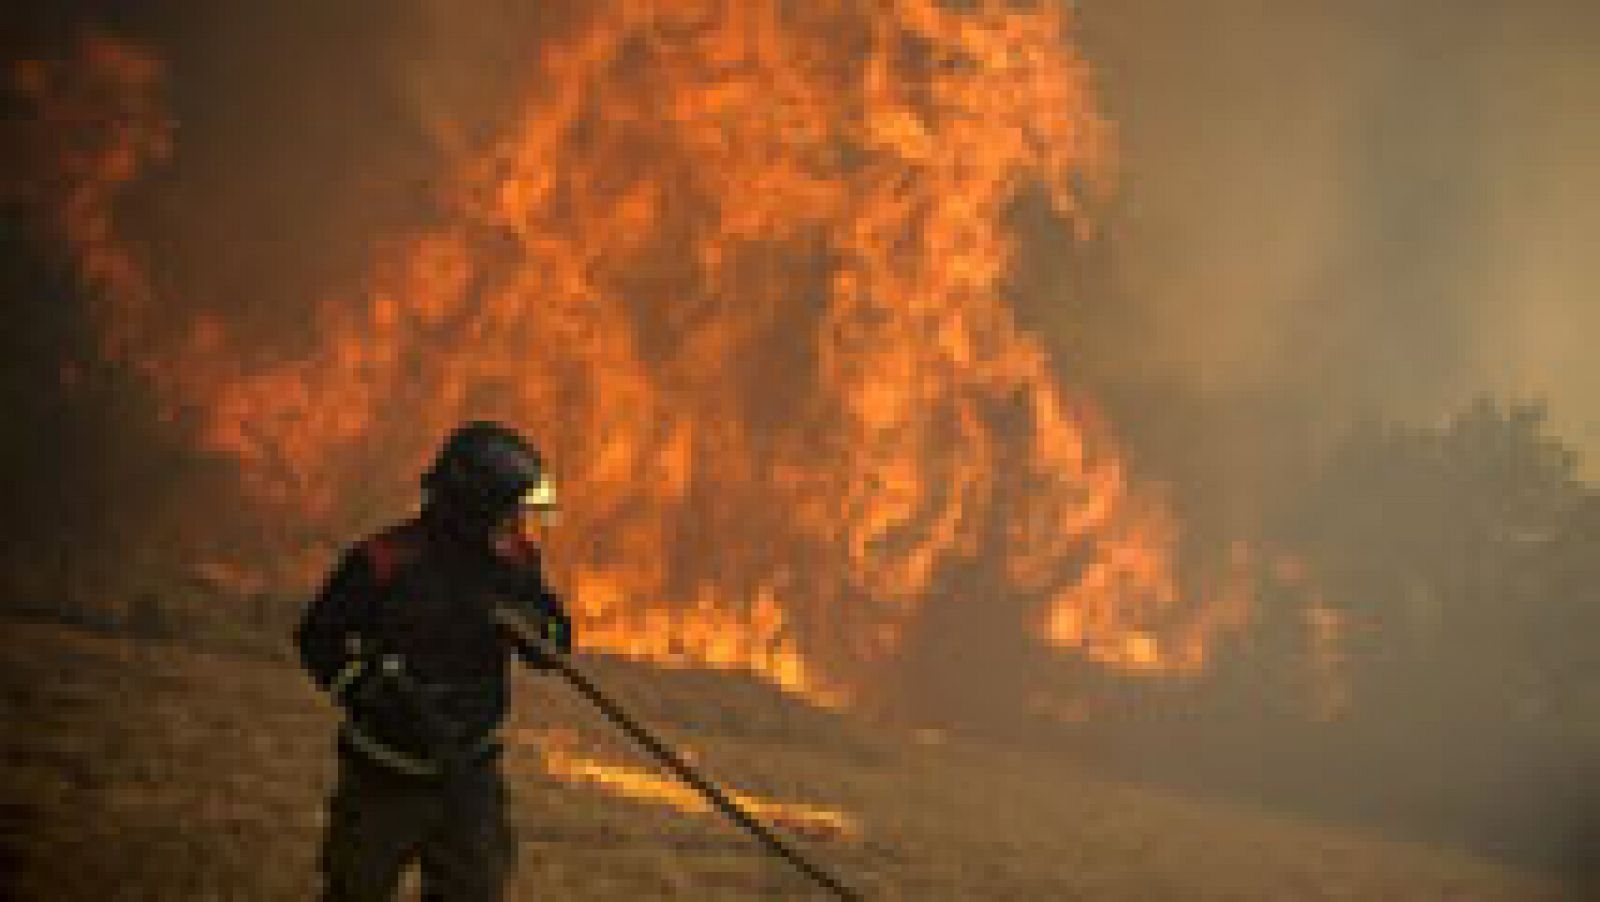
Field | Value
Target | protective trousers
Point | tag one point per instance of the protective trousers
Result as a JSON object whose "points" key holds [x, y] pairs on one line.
{"points": [[380, 821]]}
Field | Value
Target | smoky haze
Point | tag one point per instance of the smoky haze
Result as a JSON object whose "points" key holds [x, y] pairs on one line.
{"points": [[1335, 211], [1379, 206]]}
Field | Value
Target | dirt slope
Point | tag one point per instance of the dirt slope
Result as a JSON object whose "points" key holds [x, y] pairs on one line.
{"points": [[140, 771]]}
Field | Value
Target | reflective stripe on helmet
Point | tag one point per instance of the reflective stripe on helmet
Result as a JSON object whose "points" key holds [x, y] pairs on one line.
{"points": [[542, 494]]}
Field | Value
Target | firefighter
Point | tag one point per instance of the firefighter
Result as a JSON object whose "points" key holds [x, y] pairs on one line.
{"points": [[402, 638]]}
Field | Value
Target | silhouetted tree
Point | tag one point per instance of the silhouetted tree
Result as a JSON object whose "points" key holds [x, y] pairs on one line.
{"points": [[1464, 554]]}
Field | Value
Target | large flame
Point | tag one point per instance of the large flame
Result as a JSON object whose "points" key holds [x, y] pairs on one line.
{"points": [[739, 267]]}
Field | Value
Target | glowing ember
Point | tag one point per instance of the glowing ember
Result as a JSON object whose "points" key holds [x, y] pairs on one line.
{"points": [[563, 763], [738, 266]]}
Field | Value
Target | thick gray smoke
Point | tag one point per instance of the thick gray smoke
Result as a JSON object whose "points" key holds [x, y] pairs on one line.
{"points": [[1374, 205]]}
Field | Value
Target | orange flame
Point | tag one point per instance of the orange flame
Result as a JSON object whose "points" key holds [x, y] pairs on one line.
{"points": [[561, 761], [738, 266], [100, 126]]}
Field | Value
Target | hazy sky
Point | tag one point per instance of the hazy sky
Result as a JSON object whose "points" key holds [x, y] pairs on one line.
{"points": [[1395, 203]]}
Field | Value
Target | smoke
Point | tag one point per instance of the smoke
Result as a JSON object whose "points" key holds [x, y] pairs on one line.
{"points": [[1335, 210], [1371, 206], [289, 140]]}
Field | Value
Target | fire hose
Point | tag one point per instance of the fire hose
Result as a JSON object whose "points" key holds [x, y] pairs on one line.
{"points": [[562, 664]]}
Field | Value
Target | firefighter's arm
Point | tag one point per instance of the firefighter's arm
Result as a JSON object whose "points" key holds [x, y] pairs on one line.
{"points": [[535, 605], [329, 634], [339, 652]]}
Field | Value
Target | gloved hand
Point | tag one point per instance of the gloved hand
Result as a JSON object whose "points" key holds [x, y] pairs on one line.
{"points": [[550, 623]]}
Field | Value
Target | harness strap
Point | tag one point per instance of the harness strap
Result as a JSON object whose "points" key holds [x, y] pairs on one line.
{"points": [[404, 762], [387, 755]]}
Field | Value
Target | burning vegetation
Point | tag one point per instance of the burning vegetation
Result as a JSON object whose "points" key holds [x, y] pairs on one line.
{"points": [[741, 267]]}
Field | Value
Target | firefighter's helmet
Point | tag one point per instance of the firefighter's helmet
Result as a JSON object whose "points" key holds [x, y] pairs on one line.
{"points": [[486, 472]]}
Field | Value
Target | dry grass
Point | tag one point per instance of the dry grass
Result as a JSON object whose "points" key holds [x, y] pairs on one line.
{"points": [[161, 772]]}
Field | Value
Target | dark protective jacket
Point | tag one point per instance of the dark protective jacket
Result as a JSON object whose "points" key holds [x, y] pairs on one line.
{"points": [[402, 636]]}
